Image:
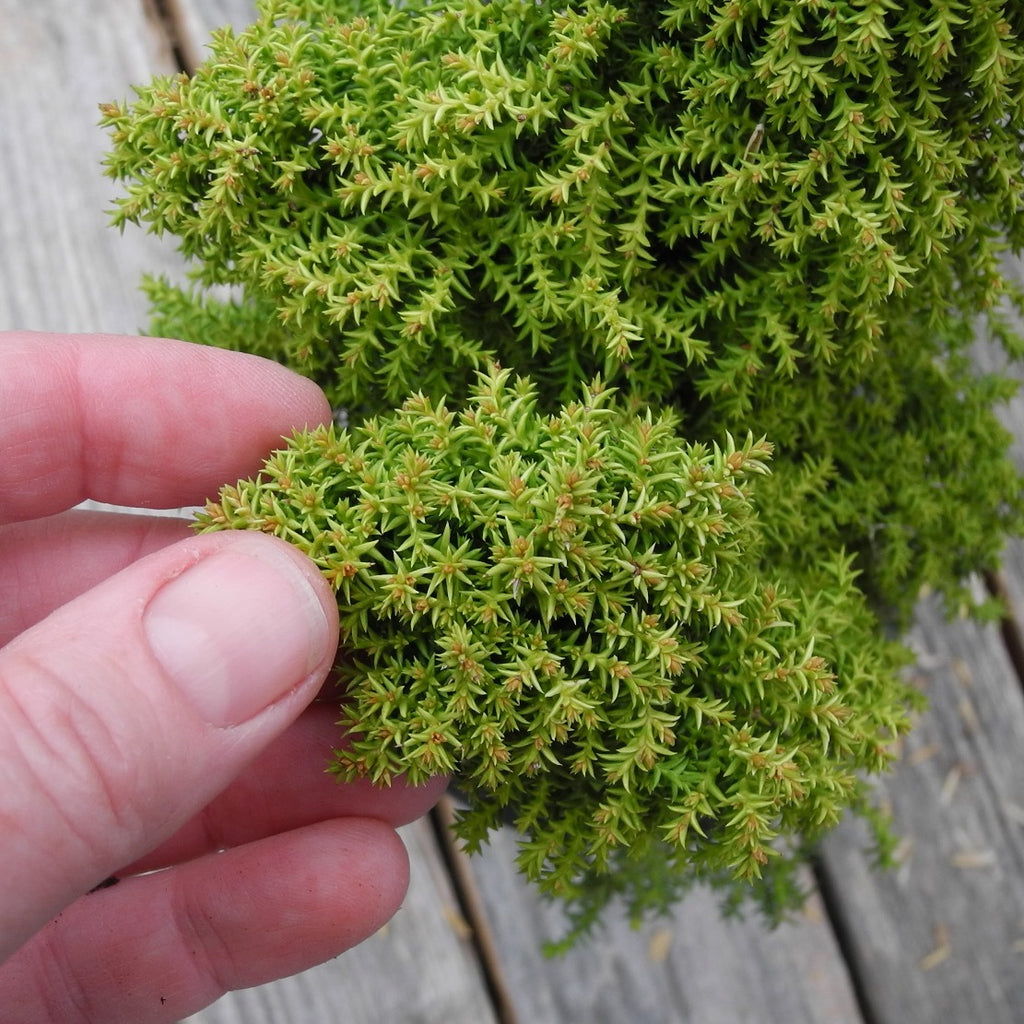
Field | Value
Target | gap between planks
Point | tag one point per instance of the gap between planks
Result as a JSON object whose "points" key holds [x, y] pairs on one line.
{"points": [[167, 16], [1009, 625], [838, 925], [471, 907]]}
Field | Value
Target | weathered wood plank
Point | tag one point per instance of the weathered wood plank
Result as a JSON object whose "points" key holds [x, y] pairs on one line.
{"points": [[66, 269], [990, 357], [693, 967], [942, 936], [422, 967]]}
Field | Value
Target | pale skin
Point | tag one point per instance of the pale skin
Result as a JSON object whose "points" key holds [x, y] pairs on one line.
{"points": [[160, 697]]}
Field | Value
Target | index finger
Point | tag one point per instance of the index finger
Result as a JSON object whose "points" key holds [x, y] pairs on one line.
{"points": [[145, 422]]}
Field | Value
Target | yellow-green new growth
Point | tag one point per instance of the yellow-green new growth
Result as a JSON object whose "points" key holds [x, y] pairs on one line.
{"points": [[775, 217], [567, 613], [755, 217]]}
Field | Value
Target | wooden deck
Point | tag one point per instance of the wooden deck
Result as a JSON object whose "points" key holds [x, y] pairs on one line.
{"points": [[939, 939]]}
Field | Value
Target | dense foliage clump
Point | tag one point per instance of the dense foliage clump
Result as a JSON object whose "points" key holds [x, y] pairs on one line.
{"points": [[759, 218], [568, 612]]}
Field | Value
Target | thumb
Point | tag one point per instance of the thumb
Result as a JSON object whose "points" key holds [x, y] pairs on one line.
{"points": [[125, 711]]}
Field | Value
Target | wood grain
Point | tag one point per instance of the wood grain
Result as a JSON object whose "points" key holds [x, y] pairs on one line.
{"points": [[65, 268], [193, 20], [692, 967], [942, 936]]}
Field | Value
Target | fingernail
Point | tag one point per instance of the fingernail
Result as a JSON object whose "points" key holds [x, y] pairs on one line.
{"points": [[238, 630]]}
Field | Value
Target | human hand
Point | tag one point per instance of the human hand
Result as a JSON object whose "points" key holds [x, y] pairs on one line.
{"points": [[155, 697]]}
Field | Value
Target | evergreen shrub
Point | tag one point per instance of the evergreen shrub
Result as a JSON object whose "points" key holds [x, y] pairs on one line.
{"points": [[550, 261]]}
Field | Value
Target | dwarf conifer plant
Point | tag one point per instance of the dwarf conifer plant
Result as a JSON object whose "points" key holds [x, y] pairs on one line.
{"points": [[575, 273]]}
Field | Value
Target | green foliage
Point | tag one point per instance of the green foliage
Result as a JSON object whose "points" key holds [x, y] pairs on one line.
{"points": [[569, 613], [765, 218], [772, 216]]}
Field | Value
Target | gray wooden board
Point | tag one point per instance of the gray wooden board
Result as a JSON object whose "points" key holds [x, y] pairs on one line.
{"points": [[942, 936], [197, 18], [422, 967], [692, 967], [990, 357], [66, 269]]}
